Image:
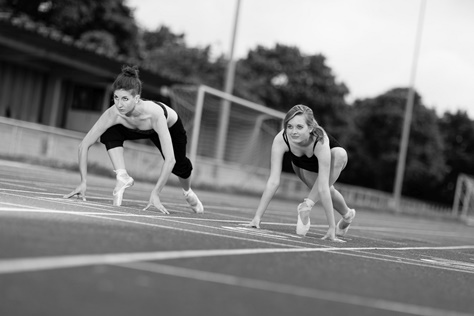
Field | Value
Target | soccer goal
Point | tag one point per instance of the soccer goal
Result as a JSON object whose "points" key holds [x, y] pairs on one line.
{"points": [[463, 205], [224, 128]]}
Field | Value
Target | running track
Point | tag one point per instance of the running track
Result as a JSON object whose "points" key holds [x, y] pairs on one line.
{"points": [[70, 257]]}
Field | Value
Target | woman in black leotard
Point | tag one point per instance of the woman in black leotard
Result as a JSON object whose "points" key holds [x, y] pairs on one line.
{"points": [[318, 160], [134, 118]]}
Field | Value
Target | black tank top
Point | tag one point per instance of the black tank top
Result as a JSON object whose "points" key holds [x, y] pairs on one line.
{"points": [[305, 162]]}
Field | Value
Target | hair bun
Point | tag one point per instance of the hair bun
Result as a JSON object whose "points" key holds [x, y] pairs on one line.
{"points": [[130, 71]]}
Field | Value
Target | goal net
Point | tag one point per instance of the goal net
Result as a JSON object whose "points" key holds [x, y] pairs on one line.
{"points": [[463, 205], [225, 128]]}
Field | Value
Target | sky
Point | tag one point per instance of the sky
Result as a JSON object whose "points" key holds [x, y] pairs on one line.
{"points": [[370, 45]]}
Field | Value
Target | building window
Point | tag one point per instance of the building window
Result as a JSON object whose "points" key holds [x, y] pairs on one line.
{"points": [[87, 98]]}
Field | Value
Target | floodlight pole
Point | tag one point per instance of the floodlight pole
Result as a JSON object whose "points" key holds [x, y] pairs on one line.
{"points": [[408, 115], [229, 87]]}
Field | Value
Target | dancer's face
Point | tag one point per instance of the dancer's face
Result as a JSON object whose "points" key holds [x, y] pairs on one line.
{"points": [[124, 101], [298, 130]]}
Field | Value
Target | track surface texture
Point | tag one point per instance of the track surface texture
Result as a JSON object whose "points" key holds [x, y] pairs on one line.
{"points": [[72, 257]]}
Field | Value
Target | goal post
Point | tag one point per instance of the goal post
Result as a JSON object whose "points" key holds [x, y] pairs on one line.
{"points": [[249, 132]]}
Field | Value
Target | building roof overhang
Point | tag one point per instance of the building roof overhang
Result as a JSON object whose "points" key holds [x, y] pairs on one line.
{"points": [[43, 48]]}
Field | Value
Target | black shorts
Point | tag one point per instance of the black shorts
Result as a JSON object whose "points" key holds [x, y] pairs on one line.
{"points": [[117, 134]]}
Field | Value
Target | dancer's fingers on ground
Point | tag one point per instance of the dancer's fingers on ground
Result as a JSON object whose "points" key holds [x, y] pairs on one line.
{"points": [[250, 225], [75, 193], [160, 208], [335, 239]]}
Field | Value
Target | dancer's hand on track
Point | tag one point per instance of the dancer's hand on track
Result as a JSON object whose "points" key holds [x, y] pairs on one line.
{"points": [[80, 191], [331, 235], [253, 224], [155, 201]]}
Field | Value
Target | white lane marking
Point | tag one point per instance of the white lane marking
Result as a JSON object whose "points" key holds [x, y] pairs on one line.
{"points": [[288, 289], [57, 262], [356, 227], [200, 232], [31, 209], [37, 210], [179, 221], [86, 204], [24, 191], [10, 183], [361, 253], [451, 263], [46, 263], [93, 214], [415, 231], [28, 210], [107, 216], [176, 219], [261, 232], [400, 260]]}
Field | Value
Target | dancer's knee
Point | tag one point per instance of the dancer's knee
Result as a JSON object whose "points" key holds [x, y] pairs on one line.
{"points": [[339, 158], [183, 168]]}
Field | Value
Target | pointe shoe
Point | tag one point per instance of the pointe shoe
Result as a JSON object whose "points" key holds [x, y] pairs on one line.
{"points": [[302, 229], [123, 182], [193, 201], [344, 223]]}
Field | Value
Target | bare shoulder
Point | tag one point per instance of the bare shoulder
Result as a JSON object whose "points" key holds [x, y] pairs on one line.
{"points": [[279, 142], [111, 114], [151, 107], [152, 110], [322, 145]]}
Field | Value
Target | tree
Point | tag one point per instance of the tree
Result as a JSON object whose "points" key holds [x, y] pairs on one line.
{"points": [[379, 124], [101, 39], [168, 54], [457, 131], [78, 17], [282, 76], [162, 36]]}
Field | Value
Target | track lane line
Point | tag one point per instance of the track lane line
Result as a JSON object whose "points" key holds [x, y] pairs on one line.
{"points": [[288, 289], [57, 262]]}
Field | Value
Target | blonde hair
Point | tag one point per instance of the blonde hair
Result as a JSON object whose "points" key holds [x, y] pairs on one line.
{"points": [[316, 130]]}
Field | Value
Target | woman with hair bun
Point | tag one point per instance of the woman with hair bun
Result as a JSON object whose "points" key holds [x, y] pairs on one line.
{"points": [[317, 159], [133, 118]]}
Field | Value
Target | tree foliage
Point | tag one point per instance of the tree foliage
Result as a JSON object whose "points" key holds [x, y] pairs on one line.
{"points": [[161, 37], [457, 131], [379, 124], [280, 77], [168, 54], [78, 17]]}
